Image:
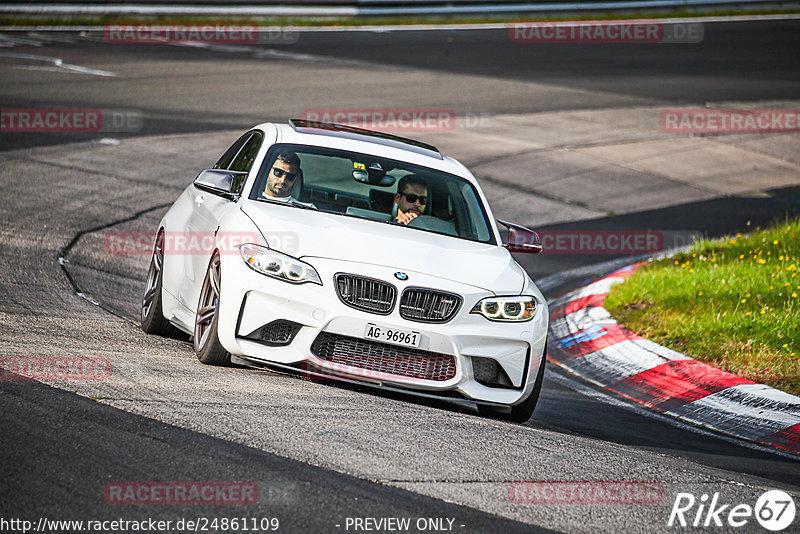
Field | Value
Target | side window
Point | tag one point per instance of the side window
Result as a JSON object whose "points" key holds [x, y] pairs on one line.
{"points": [[247, 155], [240, 157], [231, 153]]}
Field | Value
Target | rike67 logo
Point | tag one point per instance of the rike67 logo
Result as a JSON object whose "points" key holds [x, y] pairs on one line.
{"points": [[774, 510]]}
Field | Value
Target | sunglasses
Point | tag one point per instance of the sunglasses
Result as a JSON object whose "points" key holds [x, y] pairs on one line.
{"points": [[290, 176], [413, 198]]}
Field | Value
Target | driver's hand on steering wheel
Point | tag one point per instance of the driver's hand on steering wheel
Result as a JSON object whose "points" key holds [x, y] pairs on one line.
{"points": [[406, 217]]}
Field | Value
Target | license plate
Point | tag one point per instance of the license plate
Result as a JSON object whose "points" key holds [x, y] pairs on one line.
{"points": [[396, 336]]}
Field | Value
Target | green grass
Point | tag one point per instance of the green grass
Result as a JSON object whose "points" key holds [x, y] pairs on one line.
{"points": [[49, 20], [733, 303]]}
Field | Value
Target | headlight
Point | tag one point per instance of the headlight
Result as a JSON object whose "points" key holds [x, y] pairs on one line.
{"points": [[278, 265], [508, 309]]}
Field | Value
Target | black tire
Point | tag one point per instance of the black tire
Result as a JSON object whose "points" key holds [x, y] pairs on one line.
{"points": [[523, 411], [206, 342], [152, 315]]}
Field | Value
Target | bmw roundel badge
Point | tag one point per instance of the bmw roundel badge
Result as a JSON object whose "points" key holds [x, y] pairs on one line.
{"points": [[401, 276]]}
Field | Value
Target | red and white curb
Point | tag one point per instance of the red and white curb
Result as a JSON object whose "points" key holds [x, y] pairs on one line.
{"points": [[587, 341]]}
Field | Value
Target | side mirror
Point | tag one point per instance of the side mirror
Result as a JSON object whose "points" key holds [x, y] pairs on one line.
{"points": [[521, 239], [221, 182]]}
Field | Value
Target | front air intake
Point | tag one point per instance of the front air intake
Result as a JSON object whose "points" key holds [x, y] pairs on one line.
{"points": [[383, 357], [489, 372], [276, 333]]}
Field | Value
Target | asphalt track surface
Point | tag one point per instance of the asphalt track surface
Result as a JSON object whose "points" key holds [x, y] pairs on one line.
{"points": [[322, 453]]}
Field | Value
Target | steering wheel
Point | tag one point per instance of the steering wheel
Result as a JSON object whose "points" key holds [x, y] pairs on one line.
{"points": [[435, 224]]}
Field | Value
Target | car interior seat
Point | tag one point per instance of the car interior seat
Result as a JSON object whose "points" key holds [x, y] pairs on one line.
{"points": [[380, 200], [297, 188]]}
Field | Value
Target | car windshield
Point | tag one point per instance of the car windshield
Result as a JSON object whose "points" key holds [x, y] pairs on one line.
{"points": [[365, 186]]}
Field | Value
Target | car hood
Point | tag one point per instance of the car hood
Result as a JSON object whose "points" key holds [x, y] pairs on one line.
{"points": [[305, 233]]}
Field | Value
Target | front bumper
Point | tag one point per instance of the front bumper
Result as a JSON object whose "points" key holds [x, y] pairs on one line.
{"points": [[250, 300]]}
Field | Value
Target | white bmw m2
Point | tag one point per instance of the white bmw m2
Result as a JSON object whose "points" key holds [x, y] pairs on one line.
{"points": [[338, 252]]}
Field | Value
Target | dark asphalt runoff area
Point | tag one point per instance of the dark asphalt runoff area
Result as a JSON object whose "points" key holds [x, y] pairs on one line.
{"points": [[185, 91], [322, 453], [98, 445]]}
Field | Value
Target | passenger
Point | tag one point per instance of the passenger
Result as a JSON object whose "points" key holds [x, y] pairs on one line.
{"points": [[411, 198]]}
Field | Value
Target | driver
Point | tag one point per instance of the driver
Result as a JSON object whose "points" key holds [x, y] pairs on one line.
{"points": [[411, 198], [281, 179], [282, 176]]}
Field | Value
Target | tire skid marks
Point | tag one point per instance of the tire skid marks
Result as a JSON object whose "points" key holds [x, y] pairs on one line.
{"points": [[33, 38], [622, 360], [42, 62], [54, 64], [587, 341], [754, 409], [10, 41]]}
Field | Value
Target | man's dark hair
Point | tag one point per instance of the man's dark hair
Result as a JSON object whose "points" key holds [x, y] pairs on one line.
{"points": [[410, 179], [289, 157]]}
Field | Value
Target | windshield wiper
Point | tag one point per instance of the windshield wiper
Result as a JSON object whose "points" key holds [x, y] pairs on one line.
{"points": [[294, 203], [299, 204]]}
